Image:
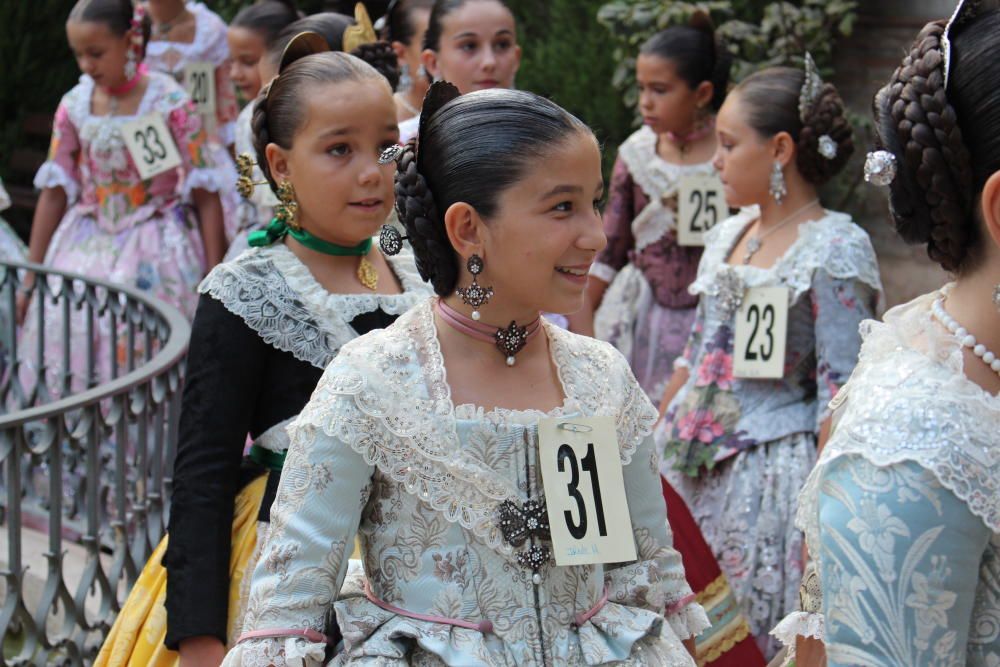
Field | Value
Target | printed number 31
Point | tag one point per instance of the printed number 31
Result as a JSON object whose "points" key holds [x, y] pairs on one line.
{"points": [[589, 464]]}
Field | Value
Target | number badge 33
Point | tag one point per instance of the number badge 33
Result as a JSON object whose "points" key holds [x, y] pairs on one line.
{"points": [[149, 143], [585, 491]]}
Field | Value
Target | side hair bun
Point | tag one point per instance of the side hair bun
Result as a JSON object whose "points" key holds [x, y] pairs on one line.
{"points": [[380, 56]]}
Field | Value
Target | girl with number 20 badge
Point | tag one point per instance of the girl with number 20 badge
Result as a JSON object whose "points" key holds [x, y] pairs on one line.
{"points": [[783, 286]]}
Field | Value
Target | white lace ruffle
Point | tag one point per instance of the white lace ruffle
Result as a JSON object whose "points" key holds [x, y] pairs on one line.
{"points": [[52, 175], [799, 624], [689, 622], [212, 179], [277, 296], [603, 272], [386, 396], [915, 404], [227, 133], [209, 43], [834, 243], [286, 652], [4, 198]]}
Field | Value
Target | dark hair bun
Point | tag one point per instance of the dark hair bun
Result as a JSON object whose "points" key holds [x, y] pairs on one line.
{"points": [[418, 212], [826, 118], [380, 56], [931, 196]]}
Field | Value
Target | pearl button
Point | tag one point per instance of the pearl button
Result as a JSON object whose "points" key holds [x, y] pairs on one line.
{"points": [[536, 579]]}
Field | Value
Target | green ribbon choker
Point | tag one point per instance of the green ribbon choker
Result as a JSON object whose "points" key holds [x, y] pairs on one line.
{"points": [[277, 229]]}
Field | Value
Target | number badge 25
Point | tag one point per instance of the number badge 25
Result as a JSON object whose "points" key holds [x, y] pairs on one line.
{"points": [[761, 334], [585, 491], [151, 146], [701, 204]]}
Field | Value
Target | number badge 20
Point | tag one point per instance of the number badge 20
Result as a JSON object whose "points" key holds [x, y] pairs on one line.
{"points": [[149, 143], [701, 204], [585, 491], [199, 80], [761, 333]]}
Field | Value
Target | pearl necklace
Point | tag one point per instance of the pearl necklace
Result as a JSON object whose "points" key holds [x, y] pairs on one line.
{"points": [[964, 337]]}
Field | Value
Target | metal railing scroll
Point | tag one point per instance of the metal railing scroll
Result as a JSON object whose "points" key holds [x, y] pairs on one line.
{"points": [[89, 405]]}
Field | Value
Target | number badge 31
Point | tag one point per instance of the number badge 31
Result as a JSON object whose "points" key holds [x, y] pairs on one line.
{"points": [[585, 491], [761, 334], [149, 143]]}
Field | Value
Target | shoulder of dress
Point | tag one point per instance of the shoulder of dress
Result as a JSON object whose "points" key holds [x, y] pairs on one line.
{"points": [[840, 247], [168, 94], [638, 148]]}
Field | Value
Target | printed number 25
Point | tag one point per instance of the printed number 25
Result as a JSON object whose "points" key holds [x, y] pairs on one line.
{"points": [[589, 464], [703, 200]]}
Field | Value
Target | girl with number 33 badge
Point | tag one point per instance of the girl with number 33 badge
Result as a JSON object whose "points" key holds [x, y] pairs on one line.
{"points": [[784, 285], [97, 214], [427, 438]]}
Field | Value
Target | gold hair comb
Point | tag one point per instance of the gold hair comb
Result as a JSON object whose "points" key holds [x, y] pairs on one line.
{"points": [[362, 32]]}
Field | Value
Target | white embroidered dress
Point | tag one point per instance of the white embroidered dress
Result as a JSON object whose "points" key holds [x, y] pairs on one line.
{"points": [[902, 512], [381, 451]]}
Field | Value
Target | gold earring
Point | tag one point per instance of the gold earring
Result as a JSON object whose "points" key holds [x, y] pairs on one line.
{"points": [[288, 210], [245, 183]]}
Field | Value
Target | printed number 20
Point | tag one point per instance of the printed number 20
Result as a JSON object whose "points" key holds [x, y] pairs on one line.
{"points": [[589, 464]]}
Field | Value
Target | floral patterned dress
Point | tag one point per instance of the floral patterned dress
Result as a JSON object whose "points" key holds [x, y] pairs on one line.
{"points": [[647, 310], [209, 45], [739, 450], [117, 226], [902, 512], [381, 451]]}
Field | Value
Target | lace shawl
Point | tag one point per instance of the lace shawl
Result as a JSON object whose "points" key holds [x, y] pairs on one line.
{"points": [[277, 296], [832, 243], [914, 403], [386, 396]]}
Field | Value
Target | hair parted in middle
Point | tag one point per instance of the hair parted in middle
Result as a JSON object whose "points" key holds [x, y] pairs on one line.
{"points": [[470, 149], [698, 54]]}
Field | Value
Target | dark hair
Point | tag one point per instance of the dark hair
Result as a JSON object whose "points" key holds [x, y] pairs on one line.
{"points": [[115, 14], [770, 101], [470, 150], [399, 20], [440, 11], [278, 112], [268, 17], [697, 54], [946, 142], [331, 26]]}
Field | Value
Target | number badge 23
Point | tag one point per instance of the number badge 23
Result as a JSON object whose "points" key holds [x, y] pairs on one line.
{"points": [[585, 491], [761, 334]]}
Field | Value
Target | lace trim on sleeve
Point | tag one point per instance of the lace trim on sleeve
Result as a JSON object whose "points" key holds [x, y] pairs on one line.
{"points": [[688, 621], [52, 175], [211, 179], [227, 133], [285, 652]]}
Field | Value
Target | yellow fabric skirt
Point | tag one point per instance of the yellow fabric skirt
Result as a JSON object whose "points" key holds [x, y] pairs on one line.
{"points": [[136, 638]]}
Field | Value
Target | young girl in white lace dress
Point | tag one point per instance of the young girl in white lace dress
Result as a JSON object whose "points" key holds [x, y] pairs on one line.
{"points": [[783, 286]]}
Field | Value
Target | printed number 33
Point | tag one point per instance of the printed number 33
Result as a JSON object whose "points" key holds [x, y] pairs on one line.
{"points": [[154, 152], [589, 464]]}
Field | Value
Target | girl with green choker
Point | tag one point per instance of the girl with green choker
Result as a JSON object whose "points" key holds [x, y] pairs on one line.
{"points": [[268, 324]]}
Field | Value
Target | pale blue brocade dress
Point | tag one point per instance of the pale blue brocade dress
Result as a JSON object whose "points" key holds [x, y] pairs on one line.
{"points": [[381, 451]]}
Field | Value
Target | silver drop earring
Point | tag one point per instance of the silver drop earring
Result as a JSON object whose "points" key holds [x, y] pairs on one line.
{"points": [[778, 189], [996, 296], [405, 80]]}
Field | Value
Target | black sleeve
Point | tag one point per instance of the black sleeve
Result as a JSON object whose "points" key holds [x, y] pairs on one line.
{"points": [[226, 360]]}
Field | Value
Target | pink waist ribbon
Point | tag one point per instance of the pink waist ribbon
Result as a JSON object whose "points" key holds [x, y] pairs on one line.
{"points": [[276, 633]]}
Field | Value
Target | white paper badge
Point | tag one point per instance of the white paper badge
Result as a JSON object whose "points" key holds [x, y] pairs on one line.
{"points": [[151, 145], [585, 491], [199, 80], [761, 333], [701, 205]]}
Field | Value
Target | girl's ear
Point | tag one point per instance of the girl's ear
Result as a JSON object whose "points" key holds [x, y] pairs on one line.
{"points": [[277, 161], [464, 228]]}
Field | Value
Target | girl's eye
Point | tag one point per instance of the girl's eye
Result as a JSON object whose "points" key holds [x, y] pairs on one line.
{"points": [[468, 47], [563, 207], [599, 203], [340, 150], [503, 46]]}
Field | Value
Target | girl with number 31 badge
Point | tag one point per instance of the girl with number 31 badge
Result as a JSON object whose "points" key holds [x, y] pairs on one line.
{"points": [[428, 439], [97, 214], [784, 285]]}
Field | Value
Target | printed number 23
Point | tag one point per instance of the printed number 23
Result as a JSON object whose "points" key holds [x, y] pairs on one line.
{"points": [[589, 464], [151, 153], [754, 313], [704, 203]]}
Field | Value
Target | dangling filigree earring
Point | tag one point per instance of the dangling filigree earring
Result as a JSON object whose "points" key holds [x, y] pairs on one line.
{"points": [[475, 295], [778, 189], [288, 210], [996, 296], [405, 80]]}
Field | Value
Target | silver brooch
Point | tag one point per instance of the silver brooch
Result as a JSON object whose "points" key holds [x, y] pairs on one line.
{"points": [[827, 147], [880, 168], [729, 289], [391, 154]]}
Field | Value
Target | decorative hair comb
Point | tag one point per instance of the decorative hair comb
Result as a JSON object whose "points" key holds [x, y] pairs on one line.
{"points": [[302, 45], [245, 183], [390, 240], [964, 13], [362, 32], [810, 88]]}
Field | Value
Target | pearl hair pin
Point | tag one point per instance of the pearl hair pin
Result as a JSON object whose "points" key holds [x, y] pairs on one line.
{"points": [[965, 338]]}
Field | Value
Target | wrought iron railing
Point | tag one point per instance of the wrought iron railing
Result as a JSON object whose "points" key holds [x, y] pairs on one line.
{"points": [[89, 404]]}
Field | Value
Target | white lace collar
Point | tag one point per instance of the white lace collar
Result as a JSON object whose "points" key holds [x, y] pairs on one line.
{"points": [[209, 41], [277, 296], [909, 400], [658, 178], [386, 396], [155, 98], [833, 243]]}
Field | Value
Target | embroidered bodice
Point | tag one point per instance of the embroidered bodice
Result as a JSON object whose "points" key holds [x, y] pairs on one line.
{"points": [[832, 278], [381, 451], [902, 512]]}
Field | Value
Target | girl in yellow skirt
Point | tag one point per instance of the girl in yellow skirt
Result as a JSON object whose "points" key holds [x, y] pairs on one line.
{"points": [[268, 323]]}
